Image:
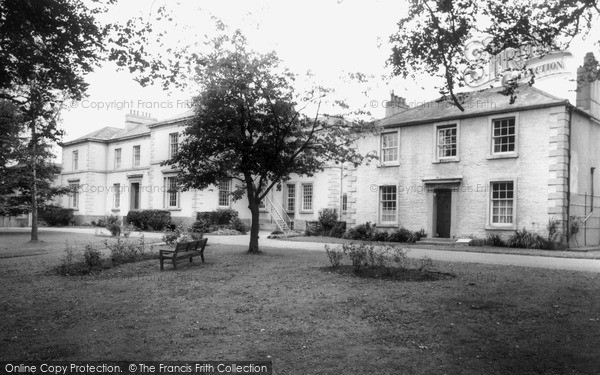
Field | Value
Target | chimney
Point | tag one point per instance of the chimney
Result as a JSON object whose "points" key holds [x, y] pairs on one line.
{"points": [[135, 118], [396, 104], [588, 86]]}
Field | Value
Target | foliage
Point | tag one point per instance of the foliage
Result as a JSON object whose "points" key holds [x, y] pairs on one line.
{"points": [[552, 228], [122, 251], [149, 219], [211, 221], [528, 240], [249, 128], [416, 236], [360, 232], [327, 219], [55, 215], [400, 235], [357, 254], [171, 236], [380, 237], [113, 224], [433, 38], [494, 240], [92, 257], [338, 229], [335, 255]]}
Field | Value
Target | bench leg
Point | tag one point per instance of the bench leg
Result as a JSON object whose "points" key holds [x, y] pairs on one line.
{"points": [[162, 265], [174, 264], [202, 257], [190, 259]]}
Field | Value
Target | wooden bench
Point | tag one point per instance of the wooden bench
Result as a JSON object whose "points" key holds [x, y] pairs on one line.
{"points": [[183, 250]]}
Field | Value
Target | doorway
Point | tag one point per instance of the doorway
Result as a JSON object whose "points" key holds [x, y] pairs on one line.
{"points": [[135, 196], [443, 209]]}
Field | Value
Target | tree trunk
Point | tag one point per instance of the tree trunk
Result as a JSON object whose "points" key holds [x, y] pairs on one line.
{"points": [[34, 208], [255, 227]]}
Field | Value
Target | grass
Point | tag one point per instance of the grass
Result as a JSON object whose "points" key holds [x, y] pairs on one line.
{"points": [[282, 306]]}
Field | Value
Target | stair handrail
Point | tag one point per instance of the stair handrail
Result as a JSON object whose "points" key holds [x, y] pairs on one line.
{"points": [[280, 211]]}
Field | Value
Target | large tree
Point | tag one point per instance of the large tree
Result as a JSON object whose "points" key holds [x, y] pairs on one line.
{"points": [[46, 49], [248, 127], [434, 37]]}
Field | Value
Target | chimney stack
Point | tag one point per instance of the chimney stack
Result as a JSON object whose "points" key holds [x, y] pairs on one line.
{"points": [[396, 104], [588, 86], [136, 118]]}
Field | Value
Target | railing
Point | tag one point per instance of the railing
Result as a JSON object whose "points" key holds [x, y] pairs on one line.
{"points": [[278, 212]]}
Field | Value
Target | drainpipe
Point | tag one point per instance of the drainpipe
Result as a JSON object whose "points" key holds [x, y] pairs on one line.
{"points": [[592, 169], [569, 176]]}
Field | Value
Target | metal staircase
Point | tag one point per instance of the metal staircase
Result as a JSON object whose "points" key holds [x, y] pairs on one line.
{"points": [[279, 215]]}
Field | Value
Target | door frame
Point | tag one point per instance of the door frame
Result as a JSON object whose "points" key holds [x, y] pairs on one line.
{"points": [[432, 207]]}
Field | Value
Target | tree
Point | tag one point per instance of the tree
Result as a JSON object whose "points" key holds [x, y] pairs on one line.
{"points": [[247, 127], [433, 38], [46, 48]]}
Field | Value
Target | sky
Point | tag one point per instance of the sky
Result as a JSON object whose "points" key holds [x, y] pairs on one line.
{"points": [[329, 38]]}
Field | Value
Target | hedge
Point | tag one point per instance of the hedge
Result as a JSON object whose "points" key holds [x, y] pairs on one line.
{"points": [[55, 215], [149, 219]]}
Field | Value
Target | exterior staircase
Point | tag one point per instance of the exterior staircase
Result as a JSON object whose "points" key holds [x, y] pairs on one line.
{"points": [[280, 217]]}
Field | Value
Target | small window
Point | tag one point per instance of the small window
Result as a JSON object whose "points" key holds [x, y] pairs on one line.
{"points": [[344, 203], [291, 198], [74, 197], [447, 141], [388, 208], [136, 156], [307, 197], [502, 203], [116, 196], [117, 158], [75, 160], [171, 193], [389, 147], [225, 193], [173, 145], [503, 135]]}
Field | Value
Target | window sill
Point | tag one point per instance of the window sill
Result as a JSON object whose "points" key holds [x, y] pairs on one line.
{"points": [[449, 160], [503, 227], [116, 210], [508, 155], [173, 209], [307, 212], [389, 225], [388, 164]]}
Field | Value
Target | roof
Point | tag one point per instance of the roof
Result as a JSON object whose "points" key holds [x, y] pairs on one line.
{"points": [[110, 133], [476, 103], [180, 117]]}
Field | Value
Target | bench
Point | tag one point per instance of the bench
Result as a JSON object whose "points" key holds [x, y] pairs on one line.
{"points": [[183, 250]]}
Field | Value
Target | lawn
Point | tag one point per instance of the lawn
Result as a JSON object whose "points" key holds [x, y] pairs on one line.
{"points": [[286, 307]]}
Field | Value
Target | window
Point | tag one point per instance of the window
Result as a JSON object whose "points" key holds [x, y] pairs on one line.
{"points": [[136, 156], [502, 203], [447, 144], [173, 144], [116, 196], [388, 206], [290, 204], [389, 147], [117, 158], [171, 193], [344, 203], [307, 197], [75, 160], [503, 135], [225, 193], [74, 197]]}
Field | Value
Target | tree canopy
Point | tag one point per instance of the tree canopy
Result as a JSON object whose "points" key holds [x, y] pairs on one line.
{"points": [[433, 38], [248, 127]]}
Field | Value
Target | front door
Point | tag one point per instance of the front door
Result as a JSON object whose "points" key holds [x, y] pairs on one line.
{"points": [[134, 202], [443, 202]]}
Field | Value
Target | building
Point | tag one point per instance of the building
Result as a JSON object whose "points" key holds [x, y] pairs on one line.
{"points": [[492, 169]]}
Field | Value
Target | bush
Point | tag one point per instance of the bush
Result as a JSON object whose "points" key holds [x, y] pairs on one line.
{"points": [[149, 219], [360, 232], [56, 216], [238, 225], [380, 237], [170, 236], [327, 219], [529, 240], [223, 218], [125, 251], [335, 256], [357, 254], [338, 229], [313, 228], [113, 224], [416, 236], [400, 235], [494, 240], [92, 257]]}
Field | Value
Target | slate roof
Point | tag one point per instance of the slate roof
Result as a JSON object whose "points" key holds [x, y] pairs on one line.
{"points": [[475, 103]]}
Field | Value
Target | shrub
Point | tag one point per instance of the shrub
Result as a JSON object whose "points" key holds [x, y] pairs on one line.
{"points": [[201, 225], [113, 224], [238, 225], [335, 256], [56, 216], [416, 236], [494, 240], [357, 254], [92, 257], [529, 240], [313, 228], [400, 235], [223, 218], [170, 236], [149, 219], [380, 236], [360, 232], [125, 251], [327, 218], [338, 229]]}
